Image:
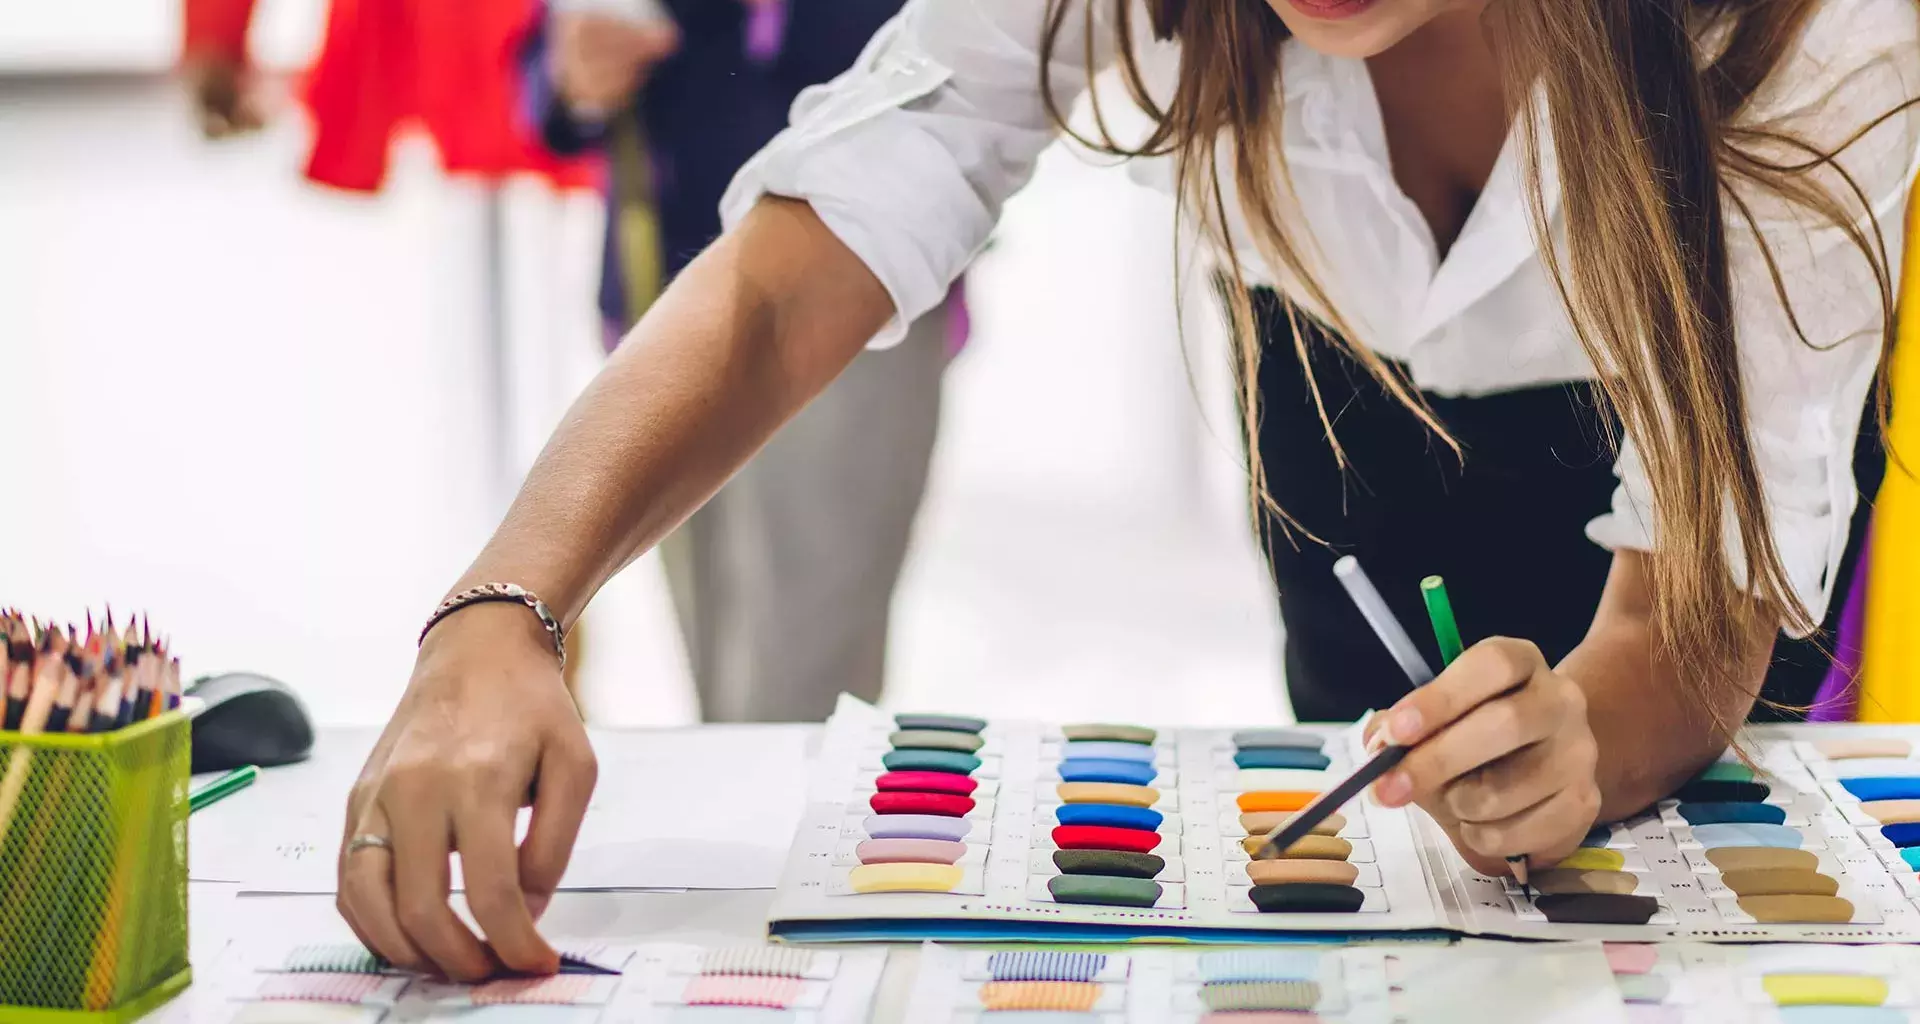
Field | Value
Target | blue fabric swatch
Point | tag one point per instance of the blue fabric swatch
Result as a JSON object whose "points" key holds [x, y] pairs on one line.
{"points": [[1903, 836], [1106, 769], [1260, 965], [1114, 815], [1712, 813], [1281, 757], [1045, 965], [1108, 749], [1720, 836], [1884, 787]]}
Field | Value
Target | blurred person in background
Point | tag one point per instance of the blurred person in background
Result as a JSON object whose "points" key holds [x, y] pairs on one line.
{"points": [[385, 68], [783, 581]]}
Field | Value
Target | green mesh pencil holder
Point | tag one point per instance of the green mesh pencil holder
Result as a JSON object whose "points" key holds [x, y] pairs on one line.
{"points": [[93, 872]]}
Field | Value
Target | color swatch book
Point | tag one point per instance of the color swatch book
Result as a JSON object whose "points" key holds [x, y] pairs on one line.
{"points": [[1694, 983], [1820, 841], [924, 826], [1376, 984]]}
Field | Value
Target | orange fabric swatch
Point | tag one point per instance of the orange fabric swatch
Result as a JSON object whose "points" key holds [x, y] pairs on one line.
{"points": [[1039, 995], [1275, 800]]}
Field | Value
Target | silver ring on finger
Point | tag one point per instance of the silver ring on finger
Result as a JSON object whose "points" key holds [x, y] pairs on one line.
{"points": [[368, 841]]}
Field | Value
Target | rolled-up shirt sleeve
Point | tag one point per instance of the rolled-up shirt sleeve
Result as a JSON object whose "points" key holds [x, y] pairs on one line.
{"points": [[1859, 60], [908, 156]]}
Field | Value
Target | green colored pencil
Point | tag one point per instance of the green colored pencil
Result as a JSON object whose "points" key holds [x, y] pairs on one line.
{"points": [[1447, 632], [222, 787], [1440, 611]]}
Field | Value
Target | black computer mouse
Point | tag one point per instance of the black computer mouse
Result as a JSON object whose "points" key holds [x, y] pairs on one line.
{"points": [[248, 719]]}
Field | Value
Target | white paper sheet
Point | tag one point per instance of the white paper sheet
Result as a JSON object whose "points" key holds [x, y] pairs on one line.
{"points": [[708, 808]]}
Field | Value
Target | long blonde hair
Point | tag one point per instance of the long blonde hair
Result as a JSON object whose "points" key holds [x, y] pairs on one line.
{"points": [[1662, 133]]}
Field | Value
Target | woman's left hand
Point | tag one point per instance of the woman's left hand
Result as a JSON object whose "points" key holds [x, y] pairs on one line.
{"points": [[1503, 756]]}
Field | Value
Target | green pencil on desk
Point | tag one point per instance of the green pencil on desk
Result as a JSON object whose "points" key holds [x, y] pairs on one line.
{"points": [[222, 787], [1446, 632]]}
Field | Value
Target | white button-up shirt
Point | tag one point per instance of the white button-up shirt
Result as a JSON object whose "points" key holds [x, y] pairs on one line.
{"points": [[909, 156]]}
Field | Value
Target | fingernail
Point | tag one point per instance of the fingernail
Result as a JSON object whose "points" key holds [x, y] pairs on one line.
{"points": [[1393, 789], [1405, 726]]}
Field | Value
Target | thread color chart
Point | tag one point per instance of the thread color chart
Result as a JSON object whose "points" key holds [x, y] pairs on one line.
{"points": [[655, 983], [1373, 984], [943, 826], [1817, 844], [1695, 983], [1333, 984]]}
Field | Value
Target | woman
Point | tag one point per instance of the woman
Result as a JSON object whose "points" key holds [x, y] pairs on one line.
{"points": [[1721, 182]]}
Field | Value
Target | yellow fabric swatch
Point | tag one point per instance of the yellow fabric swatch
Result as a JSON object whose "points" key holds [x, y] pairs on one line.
{"points": [[1825, 989], [1590, 858], [905, 877]]}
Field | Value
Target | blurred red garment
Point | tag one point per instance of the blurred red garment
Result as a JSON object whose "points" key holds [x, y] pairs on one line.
{"points": [[448, 66]]}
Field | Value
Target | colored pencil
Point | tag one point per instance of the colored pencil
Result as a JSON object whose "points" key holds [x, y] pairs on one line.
{"points": [[222, 787], [1440, 611]]}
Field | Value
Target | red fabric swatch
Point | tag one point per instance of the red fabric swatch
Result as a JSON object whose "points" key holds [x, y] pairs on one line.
{"points": [[921, 803], [1105, 837], [926, 782]]}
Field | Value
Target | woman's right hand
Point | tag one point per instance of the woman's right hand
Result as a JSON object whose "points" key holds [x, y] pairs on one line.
{"points": [[485, 727]]}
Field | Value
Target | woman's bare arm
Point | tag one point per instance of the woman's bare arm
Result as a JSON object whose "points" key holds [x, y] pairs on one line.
{"points": [[746, 336], [1653, 735], [742, 340]]}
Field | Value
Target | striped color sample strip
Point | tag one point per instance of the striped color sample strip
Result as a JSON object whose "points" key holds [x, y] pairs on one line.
{"points": [[1039, 995], [1247, 965], [1260, 995], [333, 958], [741, 990], [329, 988], [771, 961], [1046, 965], [557, 989]]}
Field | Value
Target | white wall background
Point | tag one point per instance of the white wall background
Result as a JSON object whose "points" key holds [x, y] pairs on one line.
{"points": [[263, 412], [139, 35]]}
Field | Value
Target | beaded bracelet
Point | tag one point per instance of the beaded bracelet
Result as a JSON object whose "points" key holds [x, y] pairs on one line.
{"points": [[486, 592]]}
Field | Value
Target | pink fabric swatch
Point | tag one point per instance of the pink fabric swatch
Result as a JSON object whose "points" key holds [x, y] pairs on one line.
{"points": [[559, 988], [319, 988], [741, 990], [1631, 957]]}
